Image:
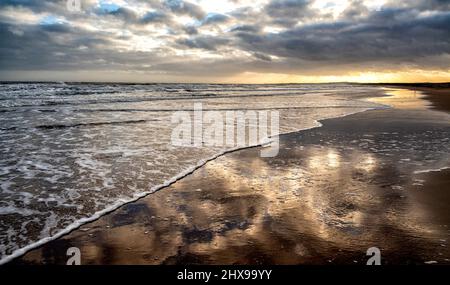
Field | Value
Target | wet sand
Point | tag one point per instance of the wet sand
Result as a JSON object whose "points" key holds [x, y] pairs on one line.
{"points": [[437, 94], [330, 194]]}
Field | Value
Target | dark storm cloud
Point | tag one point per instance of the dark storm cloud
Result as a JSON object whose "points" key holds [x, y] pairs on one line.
{"points": [[56, 27], [190, 30], [355, 10], [286, 8], [59, 47], [203, 42], [262, 56], [36, 5], [152, 17], [125, 14], [246, 28], [128, 16], [392, 35], [415, 32], [435, 4], [288, 12], [47, 51]]}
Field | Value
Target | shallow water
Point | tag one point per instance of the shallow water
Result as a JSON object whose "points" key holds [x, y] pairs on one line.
{"points": [[71, 152]]}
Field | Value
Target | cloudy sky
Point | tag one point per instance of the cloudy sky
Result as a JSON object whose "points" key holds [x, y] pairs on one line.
{"points": [[226, 41]]}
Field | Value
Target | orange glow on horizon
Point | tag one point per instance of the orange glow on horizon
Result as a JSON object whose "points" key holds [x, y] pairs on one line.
{"points": [[414, 76]]}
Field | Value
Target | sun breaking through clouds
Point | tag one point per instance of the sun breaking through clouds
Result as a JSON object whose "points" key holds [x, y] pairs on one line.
{"points": [[242, 41]]}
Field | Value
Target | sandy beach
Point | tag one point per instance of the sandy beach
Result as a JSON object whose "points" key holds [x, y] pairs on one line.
{"points": [[437, 94], [357, 182]]}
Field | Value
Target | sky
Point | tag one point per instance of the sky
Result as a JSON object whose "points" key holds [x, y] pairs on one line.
{"points": [[225, 41]]}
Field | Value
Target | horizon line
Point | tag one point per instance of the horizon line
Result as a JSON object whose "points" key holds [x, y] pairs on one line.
{"points": [[217, 83]]}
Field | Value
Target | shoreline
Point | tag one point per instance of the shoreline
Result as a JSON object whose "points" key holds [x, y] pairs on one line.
{"points": [[79, 228], [437, 93]]}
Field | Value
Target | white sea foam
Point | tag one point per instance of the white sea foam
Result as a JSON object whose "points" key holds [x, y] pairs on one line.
{"points": [[431, 170]]}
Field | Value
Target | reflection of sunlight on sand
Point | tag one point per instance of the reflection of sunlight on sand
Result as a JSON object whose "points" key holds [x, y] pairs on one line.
{"points": [[287, 190], [267, 201], [320, 161], [333, 158], [368, 162], [403, 99], [278, 207]]}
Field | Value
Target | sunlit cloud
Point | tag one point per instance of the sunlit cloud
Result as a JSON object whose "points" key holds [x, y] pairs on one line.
{"points": [[226, 40]]}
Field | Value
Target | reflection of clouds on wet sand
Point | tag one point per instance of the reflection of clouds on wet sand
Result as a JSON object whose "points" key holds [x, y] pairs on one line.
{"points": [[309, 205]]}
